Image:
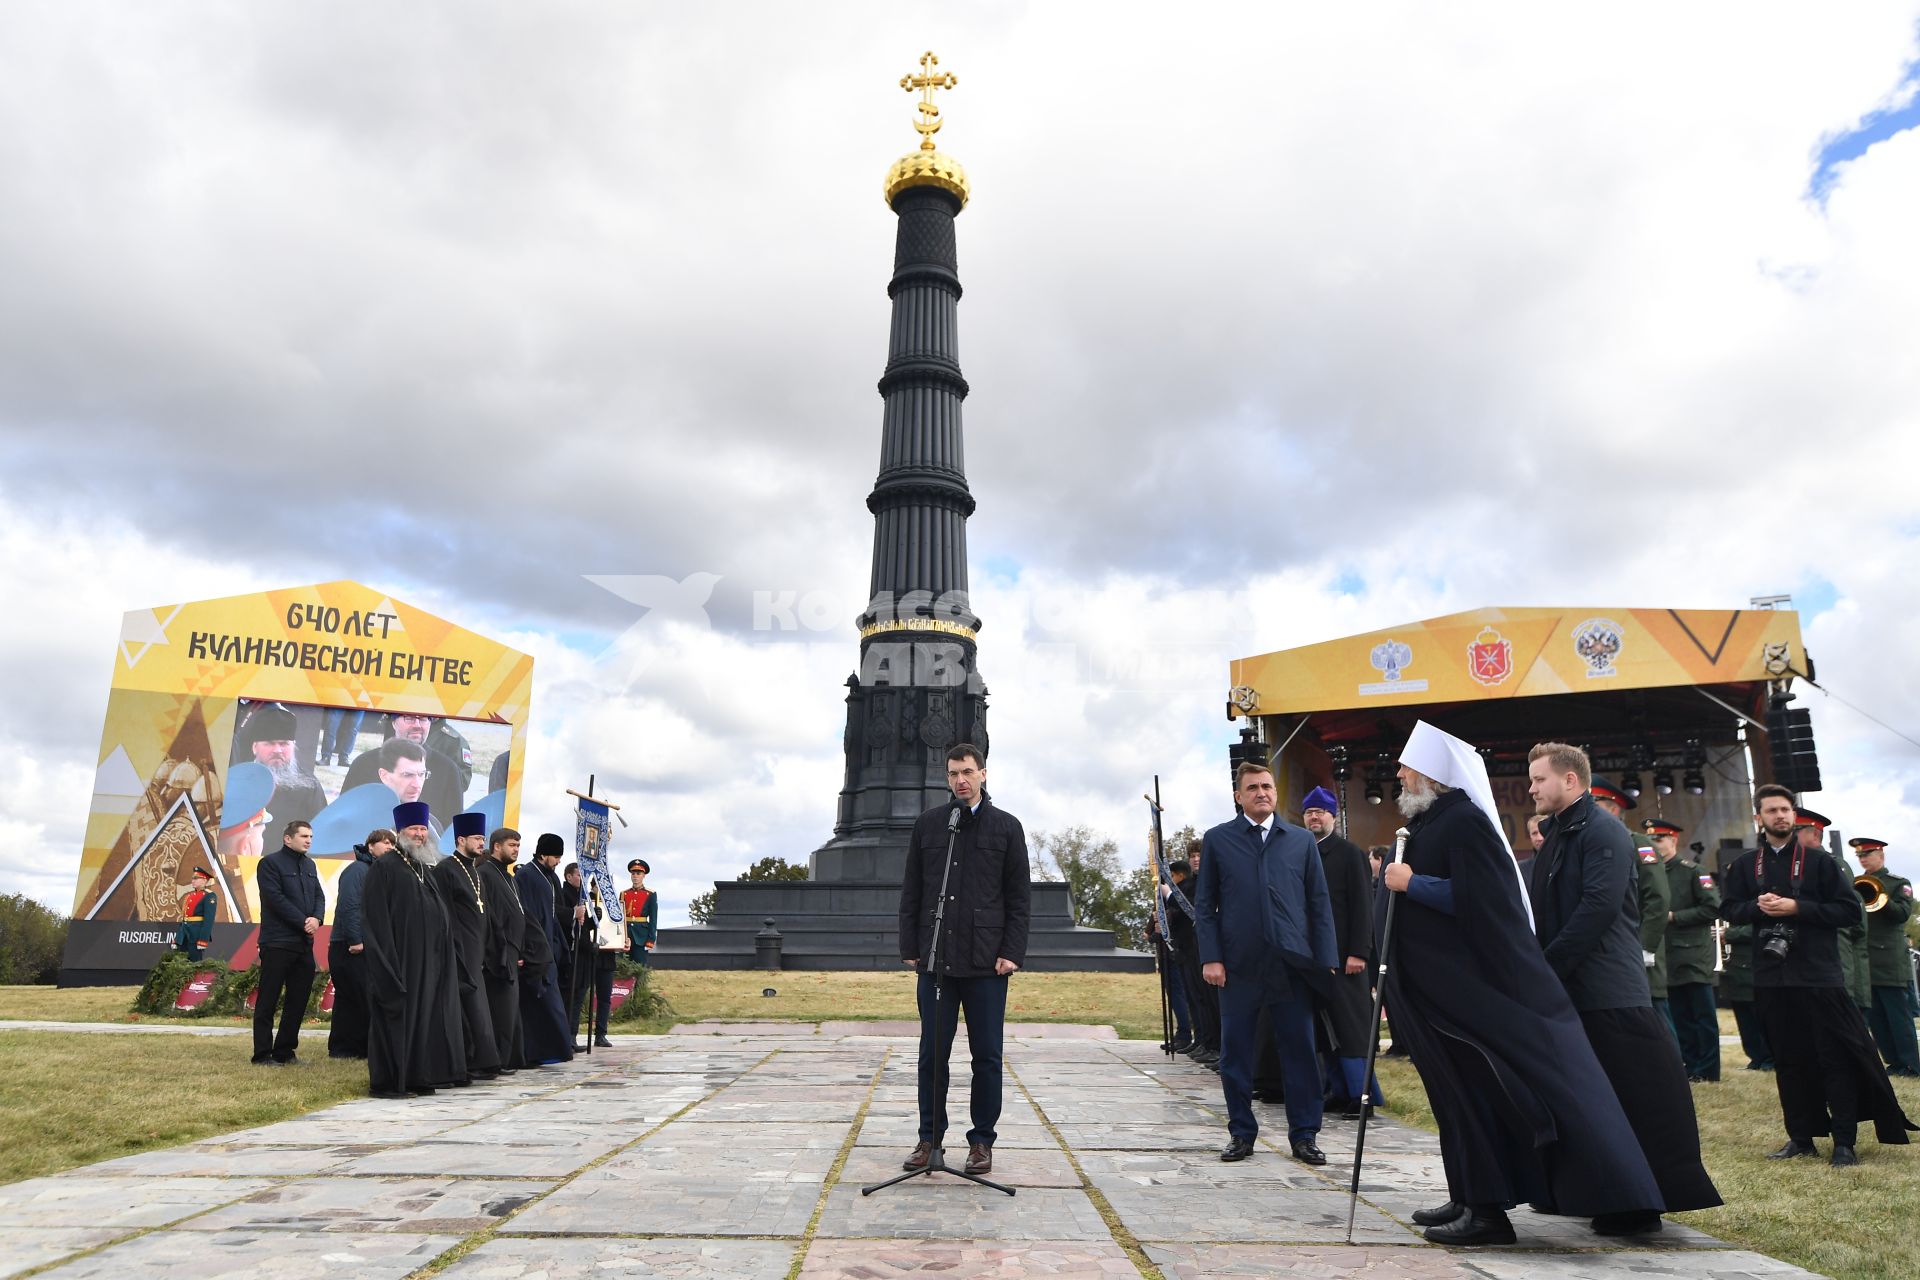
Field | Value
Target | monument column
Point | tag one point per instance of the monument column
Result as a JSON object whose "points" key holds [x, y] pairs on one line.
{"points": [[918, 688]]}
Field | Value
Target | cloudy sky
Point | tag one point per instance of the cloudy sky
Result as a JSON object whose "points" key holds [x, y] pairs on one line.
{"points": [[1283, 322]]}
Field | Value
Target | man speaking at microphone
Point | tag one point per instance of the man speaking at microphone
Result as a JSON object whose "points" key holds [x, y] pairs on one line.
{"points": [[979, 854]]}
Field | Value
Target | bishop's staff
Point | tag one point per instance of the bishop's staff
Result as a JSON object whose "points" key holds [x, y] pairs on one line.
{"points": [[1373, 1041]]}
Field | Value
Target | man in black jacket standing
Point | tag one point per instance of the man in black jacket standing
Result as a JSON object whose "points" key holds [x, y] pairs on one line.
{"points": [[292, 904], [457, 880], [1586, 911], [1350, 1001], [981, 939], [1825, 1066]]}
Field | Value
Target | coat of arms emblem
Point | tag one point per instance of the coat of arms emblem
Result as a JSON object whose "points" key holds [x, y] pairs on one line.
{"points": [[1598, 641], [1390, 657], [1490, 657]]}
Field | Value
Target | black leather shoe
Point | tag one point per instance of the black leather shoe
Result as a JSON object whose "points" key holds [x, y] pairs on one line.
{"points": [[1475, 1226], [918, 1158], [1844, 1157], [1643, 1223], [1439, 1214], [1794, 1148], [1307, 1153], [601, 1042], [1236, 1149]]}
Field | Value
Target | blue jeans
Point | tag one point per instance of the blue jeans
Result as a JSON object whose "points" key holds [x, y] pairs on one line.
{"points": [[1292, 1014], [985, 1003]]}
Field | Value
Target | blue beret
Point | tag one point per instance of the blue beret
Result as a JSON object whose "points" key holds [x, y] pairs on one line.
{"points": [[1320, 798], [249, 787], [346, 822], [412, 814], [469, 824]]}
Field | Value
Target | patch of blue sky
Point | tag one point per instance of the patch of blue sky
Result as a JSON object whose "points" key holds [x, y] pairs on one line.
{"points": [[1848, 145], [1350, 583], [1002, 568], [1813, 596]]}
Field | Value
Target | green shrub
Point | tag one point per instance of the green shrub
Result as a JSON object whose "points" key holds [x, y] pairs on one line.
{"points": [[647, 1002], [32, 938]]}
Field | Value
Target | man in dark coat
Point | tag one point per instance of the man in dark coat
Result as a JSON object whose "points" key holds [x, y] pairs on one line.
{"points": [[1350, 1001], [404, 929], [439, 787], [1202, 1000], [1825, 1066], [964, 962], [1266, 938], [457, 880], [543, 1016], [506, 945], [1695, 906], [1524, 1111], [1586, 910], [292, 904], [347, 957], [593, 966]]}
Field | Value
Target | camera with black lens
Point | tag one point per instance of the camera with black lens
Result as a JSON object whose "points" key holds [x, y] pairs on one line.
{"points": [[1776, 940]]}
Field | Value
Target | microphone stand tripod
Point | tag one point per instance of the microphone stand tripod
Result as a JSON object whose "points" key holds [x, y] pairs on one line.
{"points": [[937, 1159]]}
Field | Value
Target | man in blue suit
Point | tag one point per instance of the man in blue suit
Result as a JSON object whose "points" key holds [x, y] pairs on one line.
{"points": [[1265, 929]]}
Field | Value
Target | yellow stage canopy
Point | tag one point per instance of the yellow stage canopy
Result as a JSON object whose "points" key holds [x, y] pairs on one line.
{"points": [[1489, 654]]}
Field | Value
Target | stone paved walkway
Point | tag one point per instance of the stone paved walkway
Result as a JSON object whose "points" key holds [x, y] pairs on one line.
{"points": [[740, 1154]]}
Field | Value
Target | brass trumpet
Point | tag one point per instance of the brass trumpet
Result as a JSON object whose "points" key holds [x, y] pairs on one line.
{"points": [[1871, 891]]}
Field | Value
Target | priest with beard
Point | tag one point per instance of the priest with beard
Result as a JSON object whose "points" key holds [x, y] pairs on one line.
{"points": [[457, 879], [506, 945], [1524, 1111], [409, 961], [543, 1018], [1587, 912]]}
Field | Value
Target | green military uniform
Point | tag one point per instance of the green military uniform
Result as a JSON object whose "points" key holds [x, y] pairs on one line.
{"points": [[1656, 900], [1736, 990], [1695, 903], [196, 921], [1890, 969]]}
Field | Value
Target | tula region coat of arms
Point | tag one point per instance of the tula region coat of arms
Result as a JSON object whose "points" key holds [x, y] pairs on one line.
{"points": [[1490, 657]]}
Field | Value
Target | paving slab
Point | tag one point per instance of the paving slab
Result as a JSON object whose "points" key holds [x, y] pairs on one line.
{"points": [[1289, 1262], [24, 1248], [81, 1197], [506, 1258], [1251, 1211], [661, 1158], [1014, 1166], [456, 1206], [969, 1260], [688, 1206], [251, 1255], [950, 1209]]}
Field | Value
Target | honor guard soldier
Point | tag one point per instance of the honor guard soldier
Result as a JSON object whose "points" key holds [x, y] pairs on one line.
{"points": [[1655, 901], [1689, 944], [640, 907], [1889, 904], [1811, 828], [201, 904]]}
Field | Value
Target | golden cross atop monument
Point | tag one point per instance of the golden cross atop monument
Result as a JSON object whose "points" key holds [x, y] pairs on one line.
{"points": [[927, 81]]}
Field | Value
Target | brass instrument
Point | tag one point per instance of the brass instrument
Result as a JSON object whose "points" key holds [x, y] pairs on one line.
{"points": [[1871, 891], [1720, 948]]}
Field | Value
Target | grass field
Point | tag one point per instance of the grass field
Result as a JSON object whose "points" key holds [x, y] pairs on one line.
{"points": [[1854, 1224]]}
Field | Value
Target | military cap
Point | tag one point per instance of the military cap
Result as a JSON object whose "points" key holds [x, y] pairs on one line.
{"points": [[640, 864], [1604, 790]]}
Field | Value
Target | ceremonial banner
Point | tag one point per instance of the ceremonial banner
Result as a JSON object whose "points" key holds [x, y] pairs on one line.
{"points": [[593, 834]]}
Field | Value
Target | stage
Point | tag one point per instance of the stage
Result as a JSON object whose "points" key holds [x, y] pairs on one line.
{"points": [[730, 1151]]}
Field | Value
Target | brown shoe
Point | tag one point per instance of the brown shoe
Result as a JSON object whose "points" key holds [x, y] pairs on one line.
{"points": [[980, 1158], [918, 1160]]}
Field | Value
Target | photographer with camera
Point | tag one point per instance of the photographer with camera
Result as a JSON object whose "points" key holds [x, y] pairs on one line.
{"points": [[1825, 1065]]}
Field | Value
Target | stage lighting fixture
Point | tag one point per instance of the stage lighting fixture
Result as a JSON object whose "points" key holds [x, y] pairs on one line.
{"points": [[1373, 793], [1663, 781], [1696, 783], [1630, 783]]}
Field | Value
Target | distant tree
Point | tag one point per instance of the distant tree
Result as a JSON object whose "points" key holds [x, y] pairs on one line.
{"points": [[1105, 894], [700, 909], [32, 938]]}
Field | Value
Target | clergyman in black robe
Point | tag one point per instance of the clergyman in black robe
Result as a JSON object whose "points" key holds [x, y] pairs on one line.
{"points": [[407, 965], [1587, 913], [1524, 1111], [506, 945], [1825, 1066], [543, 1019], [457, 879], [1347, 1012]]}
